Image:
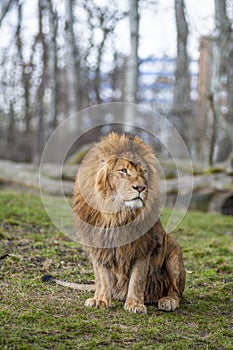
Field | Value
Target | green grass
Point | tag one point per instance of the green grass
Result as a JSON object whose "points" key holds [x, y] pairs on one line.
{"points": [[36, 315]]}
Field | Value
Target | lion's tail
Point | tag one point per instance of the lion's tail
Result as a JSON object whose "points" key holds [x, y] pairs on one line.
{"points": [[81, 287]]}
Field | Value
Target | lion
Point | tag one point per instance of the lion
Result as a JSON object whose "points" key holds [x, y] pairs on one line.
{"points": [[116, 209]]}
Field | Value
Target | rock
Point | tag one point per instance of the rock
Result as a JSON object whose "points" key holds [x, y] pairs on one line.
{"points": [[222, 202]]}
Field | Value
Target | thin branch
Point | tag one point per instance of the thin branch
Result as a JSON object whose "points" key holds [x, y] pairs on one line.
{"points": [[6, 10]]}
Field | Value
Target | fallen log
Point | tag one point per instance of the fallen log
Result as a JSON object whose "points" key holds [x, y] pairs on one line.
{"points": [[29, 176], [210, 191]]}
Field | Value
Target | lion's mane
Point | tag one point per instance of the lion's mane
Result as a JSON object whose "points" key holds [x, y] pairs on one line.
{"points": [[96, 220]]}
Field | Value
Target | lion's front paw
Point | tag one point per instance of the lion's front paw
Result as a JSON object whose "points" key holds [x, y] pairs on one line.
{"points": [[98, 303], [135, 306], [168, 303]]}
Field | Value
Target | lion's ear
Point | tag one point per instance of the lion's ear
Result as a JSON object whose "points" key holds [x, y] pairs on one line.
{"points": [[102, 181]]}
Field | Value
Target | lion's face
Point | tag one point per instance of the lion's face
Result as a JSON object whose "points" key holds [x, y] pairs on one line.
{"points": [[123, 183]]}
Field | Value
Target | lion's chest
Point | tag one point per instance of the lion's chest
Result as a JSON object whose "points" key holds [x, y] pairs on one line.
{"points": [[118, 260], [122, 262]]}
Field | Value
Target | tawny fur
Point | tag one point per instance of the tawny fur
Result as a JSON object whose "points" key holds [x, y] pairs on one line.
{"points": [[148, 268]]}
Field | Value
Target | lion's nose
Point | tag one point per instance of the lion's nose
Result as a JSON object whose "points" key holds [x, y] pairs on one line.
{"points": [[139, 188]]}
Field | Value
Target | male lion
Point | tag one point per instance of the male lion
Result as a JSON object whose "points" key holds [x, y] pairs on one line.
{"points": [[116, 208]]}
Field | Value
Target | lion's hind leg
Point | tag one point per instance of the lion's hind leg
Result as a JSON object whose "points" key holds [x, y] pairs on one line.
{"points": [[175, 273]]}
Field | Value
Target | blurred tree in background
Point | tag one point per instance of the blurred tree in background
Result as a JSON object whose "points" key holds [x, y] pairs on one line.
{"points": [[61, 56]]}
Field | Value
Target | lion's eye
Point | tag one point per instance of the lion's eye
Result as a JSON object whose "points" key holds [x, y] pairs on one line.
{"points": [[124, 171], [144, 171]]}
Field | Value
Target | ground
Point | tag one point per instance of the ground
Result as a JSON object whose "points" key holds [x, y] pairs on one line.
{"points": [[36, 315]]}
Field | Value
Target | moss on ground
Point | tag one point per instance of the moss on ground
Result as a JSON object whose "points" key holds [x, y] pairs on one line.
{"points": [[36, 315]]}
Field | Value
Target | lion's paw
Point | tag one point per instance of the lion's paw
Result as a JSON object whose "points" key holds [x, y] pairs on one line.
{"points": [[91, 302], [135, 306], [168, 303]]}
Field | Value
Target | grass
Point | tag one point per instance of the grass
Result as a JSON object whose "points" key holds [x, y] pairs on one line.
{"points": [[36, 315]]}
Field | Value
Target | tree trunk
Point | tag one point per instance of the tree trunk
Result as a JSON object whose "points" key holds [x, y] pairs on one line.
{"points": [[213, 66], [40, 110], [25, 82], [205, 110], [224, 43], [131, 78], [72, 65], [181, 98], [54, 67], [221, 52], [11, 134]]}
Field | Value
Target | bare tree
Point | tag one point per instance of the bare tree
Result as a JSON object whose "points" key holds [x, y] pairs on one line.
{"points": [[131, 79], [5, 9], [40, 107], [182, 78], [214, 70], [25, 82], [53, 16], [51, 75], [101, 18], [72, 58], [181, 96], [223, 56], [204, 119]]}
